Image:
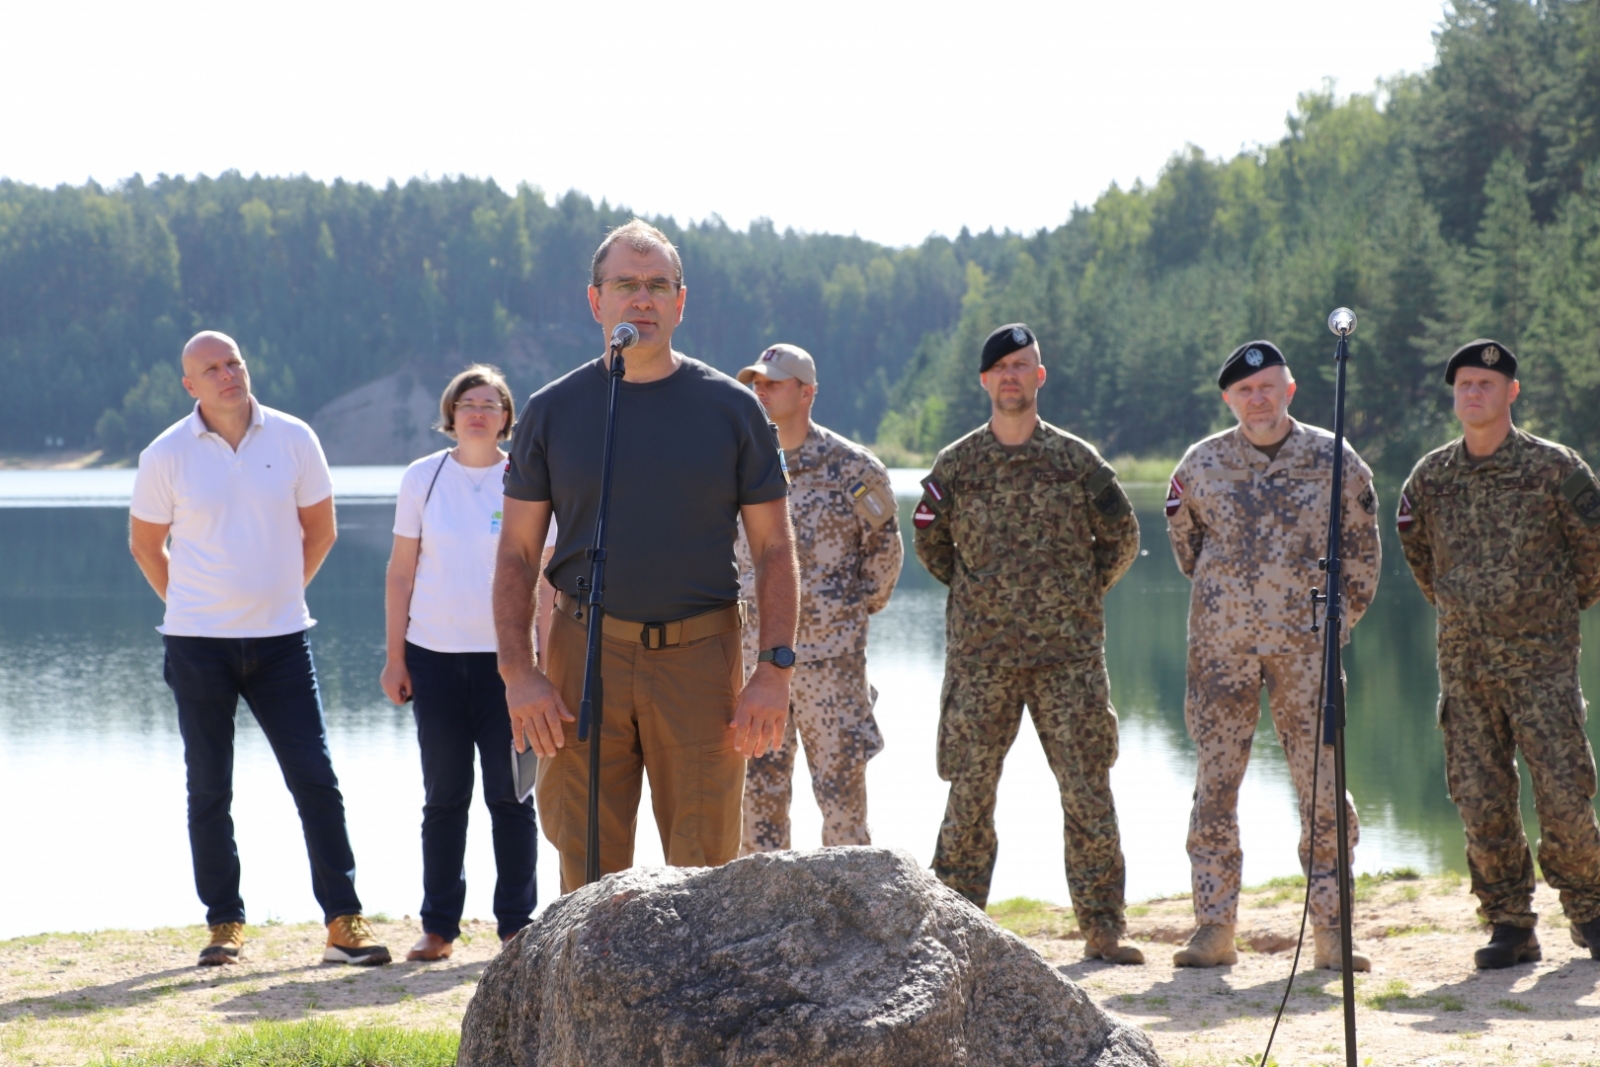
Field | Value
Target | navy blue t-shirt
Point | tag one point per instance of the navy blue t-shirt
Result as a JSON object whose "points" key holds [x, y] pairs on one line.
{"points": [[691, 449]]}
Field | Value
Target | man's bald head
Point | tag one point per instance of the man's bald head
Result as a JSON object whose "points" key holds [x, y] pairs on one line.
{"points": [[207, 343], [214, 373]]}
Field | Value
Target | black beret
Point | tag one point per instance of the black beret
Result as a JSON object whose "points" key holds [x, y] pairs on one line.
{"points": [[1247, 359], [1491, 355], [1004, 341]]}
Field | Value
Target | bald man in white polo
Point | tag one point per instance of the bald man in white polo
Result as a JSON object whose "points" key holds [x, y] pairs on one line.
{"points": [[244, 494]]}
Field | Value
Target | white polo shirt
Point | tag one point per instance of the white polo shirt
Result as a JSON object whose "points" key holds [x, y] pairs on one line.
{"points": [[238, 566]]}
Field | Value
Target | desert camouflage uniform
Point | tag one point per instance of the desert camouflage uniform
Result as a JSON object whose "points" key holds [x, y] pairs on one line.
{"points": [[1508, 551], [1029, 541], [848, 542], [1249, 531]]}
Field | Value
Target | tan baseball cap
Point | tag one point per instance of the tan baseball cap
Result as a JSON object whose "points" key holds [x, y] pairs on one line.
{"points": [[780, 362]]}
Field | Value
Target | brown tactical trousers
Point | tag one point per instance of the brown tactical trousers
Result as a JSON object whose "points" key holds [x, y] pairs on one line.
{"points": [[667, 714]]}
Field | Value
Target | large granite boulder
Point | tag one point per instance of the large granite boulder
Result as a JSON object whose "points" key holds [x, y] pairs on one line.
{"points": [[838, 956]]}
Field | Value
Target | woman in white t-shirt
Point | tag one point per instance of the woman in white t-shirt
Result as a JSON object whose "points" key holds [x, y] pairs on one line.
{"points": [[441, 655]]}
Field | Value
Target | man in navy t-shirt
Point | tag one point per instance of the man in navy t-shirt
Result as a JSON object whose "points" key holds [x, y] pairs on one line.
{"points": [[694, 453]]}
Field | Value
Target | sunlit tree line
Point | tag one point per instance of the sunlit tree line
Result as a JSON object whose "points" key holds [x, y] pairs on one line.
{"points": [[1446, 205]]}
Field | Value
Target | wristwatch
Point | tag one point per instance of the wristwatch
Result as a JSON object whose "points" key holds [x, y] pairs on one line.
{"points": [[782, 657]]}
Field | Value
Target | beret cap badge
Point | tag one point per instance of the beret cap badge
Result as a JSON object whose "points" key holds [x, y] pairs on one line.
{"points": [[1491, 356], [1254, 357], [1019, 335]]}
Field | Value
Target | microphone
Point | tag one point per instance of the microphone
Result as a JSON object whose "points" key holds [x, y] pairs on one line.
{"points": [[624, 336], [1342, 322]]}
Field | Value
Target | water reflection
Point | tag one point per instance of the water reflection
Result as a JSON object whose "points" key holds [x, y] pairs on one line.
{"points": [[91, 773]]}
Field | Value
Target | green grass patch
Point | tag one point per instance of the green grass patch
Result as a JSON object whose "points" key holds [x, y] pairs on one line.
{"points": [[1395, 995], [1027, 917], [1412, 931], [316, 1043], [1513, 1005]]}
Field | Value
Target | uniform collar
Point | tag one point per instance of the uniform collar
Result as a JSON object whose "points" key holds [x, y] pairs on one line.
{"points": [[998, 453], [809, 454], [198, 427], [1293, 448], [1500, 456]]}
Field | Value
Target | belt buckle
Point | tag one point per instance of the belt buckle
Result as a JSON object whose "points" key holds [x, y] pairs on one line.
{"points": [[653, 635]]}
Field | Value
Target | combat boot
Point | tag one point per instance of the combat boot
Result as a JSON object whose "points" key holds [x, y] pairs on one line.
{"points": [[1104, 946], [1587, 935], [1327, 956], [1211, 946], [1508, 946]]}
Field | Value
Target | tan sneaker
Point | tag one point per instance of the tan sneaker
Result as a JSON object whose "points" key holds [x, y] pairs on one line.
{"points": [[1105, 947], [1210, 946], [1328, 956], [227, 941], [350, 940]]}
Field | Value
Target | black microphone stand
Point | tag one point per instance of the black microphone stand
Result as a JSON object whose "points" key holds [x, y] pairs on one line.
{"points": [[1341, 322], [592, 710]]}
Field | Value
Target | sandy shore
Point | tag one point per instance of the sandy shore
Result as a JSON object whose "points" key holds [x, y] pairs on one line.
{"points": [[67, 998]]}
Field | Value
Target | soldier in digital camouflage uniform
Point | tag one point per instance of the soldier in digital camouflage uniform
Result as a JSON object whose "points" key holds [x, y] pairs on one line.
{"points": [[848, 542], [1029, 528], [1502, 532], [1247, 514]]}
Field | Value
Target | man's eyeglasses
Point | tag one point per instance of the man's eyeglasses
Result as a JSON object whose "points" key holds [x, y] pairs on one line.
{"points": [[476, 407], [659, 288]]}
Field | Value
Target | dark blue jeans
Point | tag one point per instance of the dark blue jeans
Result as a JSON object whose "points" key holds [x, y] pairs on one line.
{"points": [[276, 677], [459, 703]]}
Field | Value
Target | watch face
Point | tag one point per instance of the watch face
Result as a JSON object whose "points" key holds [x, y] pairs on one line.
{"points": [[783, 657]]}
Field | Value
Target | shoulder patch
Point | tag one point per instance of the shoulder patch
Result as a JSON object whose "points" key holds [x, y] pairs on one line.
{"points": [[1174, 496], [1368, 501], [1402, 516], [933, 495], [1108, 497], [924, 516], [1102, 477], [1584, 496], [874, 503]]}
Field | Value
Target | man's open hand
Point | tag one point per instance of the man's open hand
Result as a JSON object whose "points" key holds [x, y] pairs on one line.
{"points": [[762, 712], [537, 713]]}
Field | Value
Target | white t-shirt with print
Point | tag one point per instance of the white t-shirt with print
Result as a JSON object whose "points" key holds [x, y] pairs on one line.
{"points": [[238, 566], [452, 602]]}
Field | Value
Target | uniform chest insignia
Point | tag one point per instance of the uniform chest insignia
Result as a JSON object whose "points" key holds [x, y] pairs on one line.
{"points": [[1368, 501], [1403, 518], [1174, 496], [923, 517]]}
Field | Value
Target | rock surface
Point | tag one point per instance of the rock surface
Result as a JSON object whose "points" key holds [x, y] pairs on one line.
{"points": [[838, 956]]}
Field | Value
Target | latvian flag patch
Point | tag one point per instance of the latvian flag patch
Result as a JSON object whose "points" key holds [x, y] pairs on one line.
{"points": [[1402, 518], [1174, 496], [923, 517]]}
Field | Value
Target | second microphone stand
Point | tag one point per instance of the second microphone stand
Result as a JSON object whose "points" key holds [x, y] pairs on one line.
{"points": [[1333, 707], [591, 594]]}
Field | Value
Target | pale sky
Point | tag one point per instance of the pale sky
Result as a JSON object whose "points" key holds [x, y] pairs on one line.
{"points": [[891, 120]]}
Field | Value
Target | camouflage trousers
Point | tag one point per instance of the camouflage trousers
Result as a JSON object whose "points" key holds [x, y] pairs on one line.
{"points": [[1486, 718], [1221, 710], [830, 708], [981, 710]]}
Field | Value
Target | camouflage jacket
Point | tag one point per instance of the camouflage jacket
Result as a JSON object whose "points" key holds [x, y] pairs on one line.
{"points": [[1508, 550], [1248, 532], [847, 538], [1028, 542]]}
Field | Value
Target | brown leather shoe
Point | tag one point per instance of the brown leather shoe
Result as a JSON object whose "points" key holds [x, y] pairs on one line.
{"points": [[227, 942], [431, 947]]}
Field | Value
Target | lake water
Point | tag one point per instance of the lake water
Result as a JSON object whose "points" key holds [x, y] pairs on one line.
{"points": [[91, 770]]}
